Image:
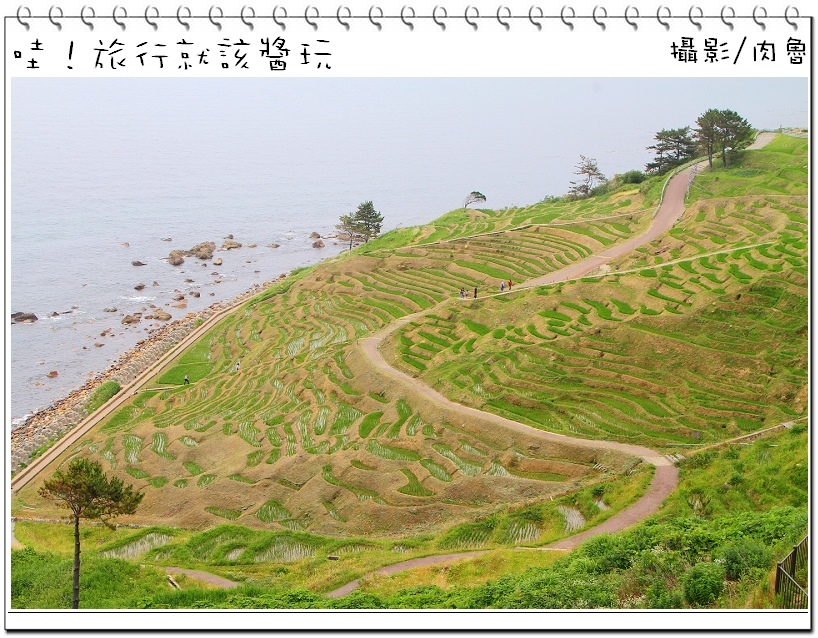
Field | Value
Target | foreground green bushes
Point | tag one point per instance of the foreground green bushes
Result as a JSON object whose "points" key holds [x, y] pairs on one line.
{"points": [[684, 562]]}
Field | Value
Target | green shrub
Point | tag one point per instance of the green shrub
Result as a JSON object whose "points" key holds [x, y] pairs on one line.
{"points": [[101, 395], [704, 583], [632, 177], [742, 556]]}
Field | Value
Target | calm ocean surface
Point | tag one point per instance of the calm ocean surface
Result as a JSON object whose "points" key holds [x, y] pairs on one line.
{"points": [[96, 164]]}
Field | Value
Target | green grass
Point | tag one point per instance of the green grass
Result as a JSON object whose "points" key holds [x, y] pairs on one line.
{"points": [[599, 358], [101, 395]]}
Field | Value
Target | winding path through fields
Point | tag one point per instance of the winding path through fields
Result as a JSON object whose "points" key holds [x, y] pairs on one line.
{"points": [[666, 476]]}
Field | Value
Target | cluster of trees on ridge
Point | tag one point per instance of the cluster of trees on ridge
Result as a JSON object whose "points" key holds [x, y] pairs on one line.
{"points": [[716, 131]]}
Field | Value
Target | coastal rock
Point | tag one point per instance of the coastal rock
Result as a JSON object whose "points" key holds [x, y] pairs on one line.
{"points": [[252, 245], [161, 315], [176, 257], [155, 283], [129, 319], [218, 261], [273, 245], [178, 297], [318, 244], [230, 236], [229, 244], [124, 244], [138, 263], [99, 345], [139, 286], [188, 281], [52, 374], [315, 235], [109, 310], [54, 314], [195, 293], [23, 317], [203, 250]]}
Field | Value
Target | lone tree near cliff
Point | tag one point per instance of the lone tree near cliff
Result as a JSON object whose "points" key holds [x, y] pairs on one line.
{"points": [[362, 225], [85, 490], [350, 227], [369, 220], [592, 176], [473, 198]]}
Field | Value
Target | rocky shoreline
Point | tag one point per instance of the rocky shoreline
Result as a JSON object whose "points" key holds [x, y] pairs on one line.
{"points": [[52, 422]]}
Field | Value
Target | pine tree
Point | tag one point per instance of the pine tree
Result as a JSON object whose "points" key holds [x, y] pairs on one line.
{"points": [[473, 198], [588, 168], [673, 147], [85, 490], [368, 219], [350, 227]]}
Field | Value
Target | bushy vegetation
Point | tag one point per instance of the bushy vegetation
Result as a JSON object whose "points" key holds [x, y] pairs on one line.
{"points": [[101, 395]]}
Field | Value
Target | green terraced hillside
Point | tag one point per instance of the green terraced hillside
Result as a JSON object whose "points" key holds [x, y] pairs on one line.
{"points": [[696, 338]]}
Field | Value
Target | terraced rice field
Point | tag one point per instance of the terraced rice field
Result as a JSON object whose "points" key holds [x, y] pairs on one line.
{"points": [[700, 336], [297, 426], [693, 339]]}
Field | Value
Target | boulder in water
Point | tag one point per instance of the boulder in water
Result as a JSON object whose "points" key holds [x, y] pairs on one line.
{"points": [[203, 250], [23, 317]]}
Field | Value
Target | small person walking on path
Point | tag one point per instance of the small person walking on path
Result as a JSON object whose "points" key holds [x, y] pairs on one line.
{"points": [[502, 286], [475, 293], [237, 365], [187, 381], [462, 293], [509, 285]]}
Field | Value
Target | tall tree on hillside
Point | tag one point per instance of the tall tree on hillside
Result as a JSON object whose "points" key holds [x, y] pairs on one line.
{"points": [[85, 490], [725, 130], [588, 169], [473, 198], [368, 219], [673, 147], [736, 133], [707, 133]]}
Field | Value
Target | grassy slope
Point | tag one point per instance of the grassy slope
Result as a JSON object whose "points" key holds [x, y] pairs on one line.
{"points": [[293, 417], [700, 336], [305, 424], [762, 504]]}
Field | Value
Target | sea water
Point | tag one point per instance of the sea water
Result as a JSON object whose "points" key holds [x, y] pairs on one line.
{"points": [[103, 171], [98, 182]]}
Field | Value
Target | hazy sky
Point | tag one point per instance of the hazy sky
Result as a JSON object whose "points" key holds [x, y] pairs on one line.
{"points": [[516, 140]]}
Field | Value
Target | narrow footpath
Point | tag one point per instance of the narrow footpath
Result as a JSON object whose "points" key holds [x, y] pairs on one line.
{"points": [[666, 476]]}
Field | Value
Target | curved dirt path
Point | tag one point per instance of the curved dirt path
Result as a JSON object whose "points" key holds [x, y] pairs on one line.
{"points": [[205, 577], [666, 476]]}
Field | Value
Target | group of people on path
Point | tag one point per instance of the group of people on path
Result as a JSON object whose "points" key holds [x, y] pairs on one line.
{"points": [[503, 284]]}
